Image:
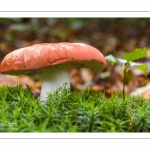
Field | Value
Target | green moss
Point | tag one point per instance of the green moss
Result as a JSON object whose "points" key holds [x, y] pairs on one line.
{"points": [[67, 111]]}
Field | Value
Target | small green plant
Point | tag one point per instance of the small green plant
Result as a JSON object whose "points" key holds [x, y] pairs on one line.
{"points": [[127, 63]]}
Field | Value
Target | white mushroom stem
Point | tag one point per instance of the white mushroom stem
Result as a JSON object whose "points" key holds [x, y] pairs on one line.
{"points": [[54, 77]]}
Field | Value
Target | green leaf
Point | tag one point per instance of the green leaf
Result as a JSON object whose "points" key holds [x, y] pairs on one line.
{"points": [[137, 53], [143, 68], [112, 59], [140, 66]]}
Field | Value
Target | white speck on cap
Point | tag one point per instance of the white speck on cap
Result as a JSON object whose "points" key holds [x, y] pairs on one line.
{"points": [[18, 62], [17, 52], [66, 46], [81, 44], [101, 54], [51, 47]]}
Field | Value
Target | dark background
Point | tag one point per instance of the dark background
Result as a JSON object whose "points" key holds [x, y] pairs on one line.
{"points": [[115, 36], [110, 35]]}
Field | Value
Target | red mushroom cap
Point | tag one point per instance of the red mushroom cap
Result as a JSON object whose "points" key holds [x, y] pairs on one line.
{"points": [[50, 54]]}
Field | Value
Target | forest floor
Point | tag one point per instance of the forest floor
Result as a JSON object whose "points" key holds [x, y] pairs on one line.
{"points": [[111, 36]]}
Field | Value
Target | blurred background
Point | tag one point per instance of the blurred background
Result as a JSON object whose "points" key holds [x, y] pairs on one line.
{"points": [[115, 36]]}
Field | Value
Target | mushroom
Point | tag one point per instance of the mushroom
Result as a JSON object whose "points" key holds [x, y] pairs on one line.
{"points": [[54, 60]]}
